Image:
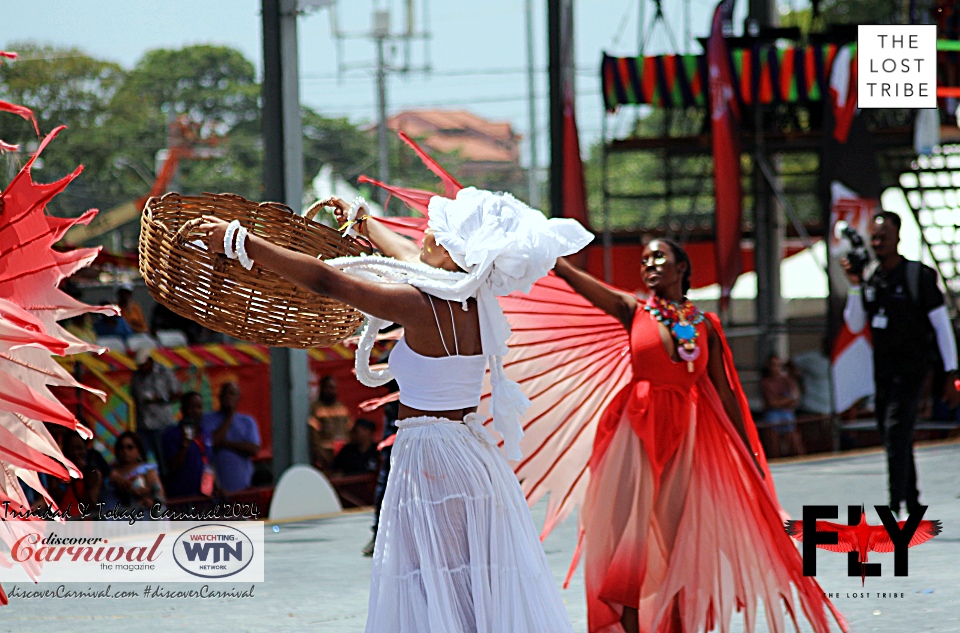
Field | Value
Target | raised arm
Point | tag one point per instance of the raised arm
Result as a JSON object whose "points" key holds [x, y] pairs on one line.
{"points": [[399, 303], [388, 242], [618, 304], [718, 376]]}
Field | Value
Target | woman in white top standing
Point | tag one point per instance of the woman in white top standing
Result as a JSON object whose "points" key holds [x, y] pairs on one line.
{"points": [[456, 550]]}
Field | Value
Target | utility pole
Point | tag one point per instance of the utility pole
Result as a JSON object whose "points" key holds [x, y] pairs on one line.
{"points": [[382, 37], [768, 226], [381, 31], [533, 186], [283, 182], [554, 21]]}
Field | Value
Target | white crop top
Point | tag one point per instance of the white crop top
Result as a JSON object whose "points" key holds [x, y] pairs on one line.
{"points": [[441, 383]]}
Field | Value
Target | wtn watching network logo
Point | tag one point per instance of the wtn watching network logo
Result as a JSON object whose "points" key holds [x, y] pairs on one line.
{"points": [[213, 551], [858, 538]]}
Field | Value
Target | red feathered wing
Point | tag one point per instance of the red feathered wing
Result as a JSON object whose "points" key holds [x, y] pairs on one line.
{"points": [[847, 540], [30, 306], [879, 539], [925, 531]]}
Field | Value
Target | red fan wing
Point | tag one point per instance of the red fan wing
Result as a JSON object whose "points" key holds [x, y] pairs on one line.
{"points": [[571, 360]]}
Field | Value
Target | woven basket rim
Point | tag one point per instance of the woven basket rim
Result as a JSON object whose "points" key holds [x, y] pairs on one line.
{"points": [[257, 305]]}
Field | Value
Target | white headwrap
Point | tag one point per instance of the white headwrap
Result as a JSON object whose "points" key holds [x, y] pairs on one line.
{"points": [[503, 246]]}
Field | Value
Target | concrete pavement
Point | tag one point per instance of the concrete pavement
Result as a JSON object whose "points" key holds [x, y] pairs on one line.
{"points": [[316, 579]]}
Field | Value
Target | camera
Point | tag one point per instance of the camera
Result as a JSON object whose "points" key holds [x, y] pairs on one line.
{"points": [[858, 256]]}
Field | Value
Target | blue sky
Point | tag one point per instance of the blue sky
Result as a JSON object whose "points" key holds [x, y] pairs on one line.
{"points": [[477, 50]]}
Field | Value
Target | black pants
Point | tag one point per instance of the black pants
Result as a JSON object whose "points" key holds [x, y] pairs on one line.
{"points": [[389, 428], [897, 402]]}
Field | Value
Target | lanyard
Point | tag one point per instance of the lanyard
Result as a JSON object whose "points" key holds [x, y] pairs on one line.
{"points": [[203, 451]]}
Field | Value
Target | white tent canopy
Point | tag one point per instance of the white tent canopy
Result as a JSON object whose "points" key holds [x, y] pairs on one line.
{"points": [[801, 277], [803, 280], [326, 184]]}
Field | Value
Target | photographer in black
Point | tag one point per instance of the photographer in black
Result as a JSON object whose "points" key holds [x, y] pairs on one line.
{"points": [[905, 310]]}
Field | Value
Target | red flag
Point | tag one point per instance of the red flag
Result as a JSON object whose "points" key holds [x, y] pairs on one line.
{"points": [[843, 92], [574, 188], [725, 115]]}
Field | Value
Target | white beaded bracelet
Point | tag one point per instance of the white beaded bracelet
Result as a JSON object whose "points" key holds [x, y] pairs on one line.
{"points": [[228, 238], [245, 260], [358, 204]]}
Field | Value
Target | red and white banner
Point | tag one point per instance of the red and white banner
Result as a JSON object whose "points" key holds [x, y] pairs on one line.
{"points": [[852, 356], [843, 91]]}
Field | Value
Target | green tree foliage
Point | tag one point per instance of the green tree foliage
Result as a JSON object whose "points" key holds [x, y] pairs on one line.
{"points": [[64, 87], [118, 120], [215, 86], [336, 142], [206, 97], [211, 92], [862, 11]]}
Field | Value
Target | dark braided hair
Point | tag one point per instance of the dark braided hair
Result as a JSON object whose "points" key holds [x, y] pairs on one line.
{"points": [[681, 256]]}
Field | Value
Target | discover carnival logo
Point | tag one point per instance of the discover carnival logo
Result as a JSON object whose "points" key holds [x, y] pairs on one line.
{"points": [[213, 551], [143, 551]]}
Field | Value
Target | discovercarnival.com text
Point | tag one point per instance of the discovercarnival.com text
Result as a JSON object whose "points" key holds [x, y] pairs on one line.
{"points": [[149, 591]]}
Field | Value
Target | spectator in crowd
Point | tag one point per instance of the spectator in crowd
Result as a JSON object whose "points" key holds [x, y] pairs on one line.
{"points": [[86, 491], [236, 440], [329, 423], [189, 452], [153, 388], [900, 300], [133, 482], [781, 395], [112, 325], [130, 310], [360, 454]]}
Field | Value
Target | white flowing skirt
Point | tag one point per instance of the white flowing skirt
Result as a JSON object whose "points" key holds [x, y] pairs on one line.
{"points": [[457, 550]]}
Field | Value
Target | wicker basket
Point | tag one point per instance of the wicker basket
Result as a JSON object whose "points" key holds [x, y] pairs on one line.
{"points": [[256, 305]]}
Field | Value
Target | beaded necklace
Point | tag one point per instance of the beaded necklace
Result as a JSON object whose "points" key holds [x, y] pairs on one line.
{"points": [[682, 320]]}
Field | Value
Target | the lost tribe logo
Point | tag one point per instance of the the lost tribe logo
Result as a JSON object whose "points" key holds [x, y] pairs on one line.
{"points": [[213, 551], [858, 538]]}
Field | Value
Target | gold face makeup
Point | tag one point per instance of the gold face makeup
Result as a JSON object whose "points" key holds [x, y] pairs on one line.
{"points": [[654, 259]]}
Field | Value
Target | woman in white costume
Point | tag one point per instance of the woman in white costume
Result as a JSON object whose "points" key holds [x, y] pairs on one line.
{"points": [[456, 550]]}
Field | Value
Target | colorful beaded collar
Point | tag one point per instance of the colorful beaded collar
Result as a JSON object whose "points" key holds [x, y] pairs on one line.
{"points": [[682, 320]]}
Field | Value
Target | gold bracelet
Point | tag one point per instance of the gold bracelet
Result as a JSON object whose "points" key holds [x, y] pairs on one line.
{"points": [[362, 222], [355, 222]]}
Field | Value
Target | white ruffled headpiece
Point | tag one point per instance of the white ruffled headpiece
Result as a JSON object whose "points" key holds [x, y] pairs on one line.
{"points": [[503, 246]]}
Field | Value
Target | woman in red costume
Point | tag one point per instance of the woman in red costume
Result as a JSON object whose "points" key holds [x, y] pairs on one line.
{"points": [[680, 524]]}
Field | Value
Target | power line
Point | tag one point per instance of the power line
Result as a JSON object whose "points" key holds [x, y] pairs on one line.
{"points": [[465, 72], [445, 102]]}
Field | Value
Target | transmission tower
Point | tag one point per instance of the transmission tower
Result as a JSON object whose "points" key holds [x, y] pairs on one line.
{"points": [[394, 54]]}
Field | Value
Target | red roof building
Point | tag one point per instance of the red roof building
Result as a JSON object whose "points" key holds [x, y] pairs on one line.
{"points": [[489, 150]]}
